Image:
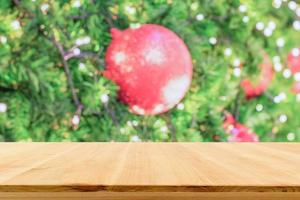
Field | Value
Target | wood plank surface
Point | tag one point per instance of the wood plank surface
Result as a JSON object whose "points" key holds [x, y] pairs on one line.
{"points": [[150, 167]]}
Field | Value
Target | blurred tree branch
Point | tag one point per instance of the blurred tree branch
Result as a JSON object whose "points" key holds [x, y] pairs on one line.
{"points": [[68, 75]]}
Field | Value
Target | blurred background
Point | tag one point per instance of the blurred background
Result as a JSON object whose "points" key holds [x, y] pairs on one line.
{"points": [[246, 75]]}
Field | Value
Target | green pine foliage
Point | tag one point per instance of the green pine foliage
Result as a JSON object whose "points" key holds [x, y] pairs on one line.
{"points": [[36, 97]]}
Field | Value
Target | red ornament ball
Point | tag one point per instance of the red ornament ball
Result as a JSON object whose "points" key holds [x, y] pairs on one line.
{"points": [[293, 60], [296, 88], [152, 67], [236, 131], [264, 80]]}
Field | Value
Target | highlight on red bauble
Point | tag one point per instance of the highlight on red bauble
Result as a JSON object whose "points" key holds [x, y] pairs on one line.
{"points": [[152, 67], [253, 90]]}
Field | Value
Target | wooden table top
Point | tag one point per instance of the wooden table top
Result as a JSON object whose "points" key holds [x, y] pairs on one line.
{"points": [[162, 167]]}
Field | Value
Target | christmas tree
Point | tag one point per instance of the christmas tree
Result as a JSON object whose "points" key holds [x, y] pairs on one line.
{"points": [[246, 73]]}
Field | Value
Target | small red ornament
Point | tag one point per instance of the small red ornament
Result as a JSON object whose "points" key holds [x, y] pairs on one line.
{"points": [[293, 60], [152, 67], [296, 88], [238, 132], [264, 80]]}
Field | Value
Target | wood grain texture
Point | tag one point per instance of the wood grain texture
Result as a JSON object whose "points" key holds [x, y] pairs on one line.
{"points": [[150, 167], [149, 196]]}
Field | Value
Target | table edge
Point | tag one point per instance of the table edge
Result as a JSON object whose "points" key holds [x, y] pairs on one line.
{"points": [[139, 188]]}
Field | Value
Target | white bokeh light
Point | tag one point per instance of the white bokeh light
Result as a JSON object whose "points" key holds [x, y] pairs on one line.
{"points": [[237, 72], [199, 17], [15, 24], [75, 120], [290, 136], [180, 106], [292, 5], [268, 32], [277, 3], [296, 25], [3, 39], [227, 52], [245, 19], [259, 107], [278, 67], [280, 42], [287, 73], [260, 26], [282, 118], [236, 62], [3, 107], [296, 52], [76, 4], [242, 8], [104, 98], [213, 40]]}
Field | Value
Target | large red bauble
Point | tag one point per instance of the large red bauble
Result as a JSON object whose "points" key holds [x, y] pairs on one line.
{"points": [[293, 61], [152, 67]]}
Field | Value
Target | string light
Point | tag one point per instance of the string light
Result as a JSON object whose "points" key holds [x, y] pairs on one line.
{"points": [[259, 107], [292, 5], [242, 8], [76, 4], [135, 138], [104, 98], [298, 97], [276, 59], [279, 98], [287, 73], [76, 51], [130, 10], [237, 72], [135, 25], [227, 52], [278, 67], [45, 8], [245, 19], [180, 106], [135, 123], [291, 136], [3, 107], [297, 76], [129, 123], [15, 24], [282, 118], [236, 62], [199, 17], [194, 6], [295, 52], [271, 25], [277, 3], [213, 40], [83, 41], [296, 25], [260, 26], [268, 32], [298, 12], [280, 42], [82, 66], [75, 120], [3, 39], [164, 129]]}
